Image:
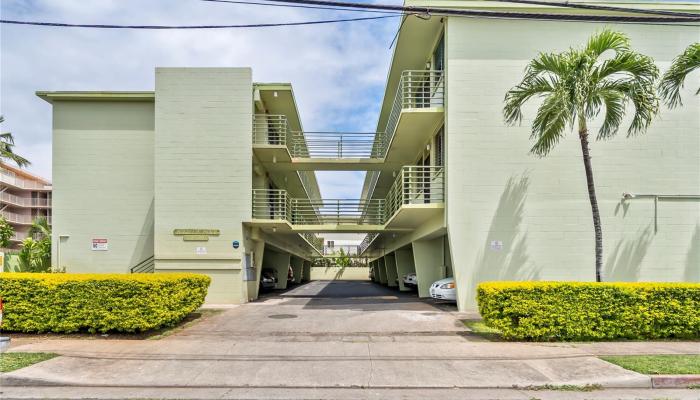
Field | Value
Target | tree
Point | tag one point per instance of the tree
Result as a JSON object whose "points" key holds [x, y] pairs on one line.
{"points": [[35, 254], [342, 260], [576, 85], [7, 144], [674, 78], [6, 232]]}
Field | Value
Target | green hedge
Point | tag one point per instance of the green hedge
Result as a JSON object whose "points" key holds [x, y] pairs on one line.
{"points": [[98, 302], [544, 311]]}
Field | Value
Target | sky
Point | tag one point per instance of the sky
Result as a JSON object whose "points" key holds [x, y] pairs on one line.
{"points": [[338, 71]]}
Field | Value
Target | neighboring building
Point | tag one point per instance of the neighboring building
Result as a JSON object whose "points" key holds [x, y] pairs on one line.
{"points": [[23, 198], [170, 179]]}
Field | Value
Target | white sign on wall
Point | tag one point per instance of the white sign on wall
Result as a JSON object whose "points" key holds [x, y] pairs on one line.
{"points": [[100, 245], [200, 251], [496, 245]]}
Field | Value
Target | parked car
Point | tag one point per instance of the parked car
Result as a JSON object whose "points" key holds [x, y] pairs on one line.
{"points": [[410, 280], [268, 280], [444, 289]]}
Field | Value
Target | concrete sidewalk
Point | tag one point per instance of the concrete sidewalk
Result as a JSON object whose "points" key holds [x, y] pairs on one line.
{"points": [[339, 394], [379, 339]]}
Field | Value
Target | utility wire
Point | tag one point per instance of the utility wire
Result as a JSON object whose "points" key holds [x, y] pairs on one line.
{"points": [[565, 4], [160, 27], [257, 3], [499, 14]]}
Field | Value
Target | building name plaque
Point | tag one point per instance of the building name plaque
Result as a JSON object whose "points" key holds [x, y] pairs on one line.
{"points": [[208, 232]]}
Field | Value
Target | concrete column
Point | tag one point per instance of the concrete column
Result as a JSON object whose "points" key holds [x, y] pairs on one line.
{"points": [[391, 274], [382, 271], [258, 252], [429, 261], [280, 263], [404, 265], [298, 268], [306, 275]]}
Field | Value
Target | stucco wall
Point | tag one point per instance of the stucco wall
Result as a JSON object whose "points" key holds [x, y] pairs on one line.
{"points": [[203, 153], [338, 273], [102, 184], [538, 208]]}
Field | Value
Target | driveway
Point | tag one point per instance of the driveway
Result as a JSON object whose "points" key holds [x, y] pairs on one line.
{"points": [[325, 335]]}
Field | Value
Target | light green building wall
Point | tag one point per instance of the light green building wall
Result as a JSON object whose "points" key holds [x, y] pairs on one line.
{"points": [[103, 184], [538, 209], [203, 158]]}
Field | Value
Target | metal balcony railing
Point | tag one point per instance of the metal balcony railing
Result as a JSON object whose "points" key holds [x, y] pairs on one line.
{"points": [[416, 89], [366, 242], [336, 212], [270, 129], [315, 241], [24, 201], [22, 218], [336, 145], [413, 185], [271, 204], [10, 179], [416, 185], [347, 249]]}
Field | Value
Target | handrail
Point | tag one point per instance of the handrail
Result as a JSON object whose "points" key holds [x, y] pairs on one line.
{"points": [[144, 267], [270, 129], [336, 145], [22, 183], [24, 201], [414, 185], [22, 218], [417, 89]]}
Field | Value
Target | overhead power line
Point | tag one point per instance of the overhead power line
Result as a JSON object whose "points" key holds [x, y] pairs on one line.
{"points": [[682, 18], [566, 4], [164, 27], [258, 3]]}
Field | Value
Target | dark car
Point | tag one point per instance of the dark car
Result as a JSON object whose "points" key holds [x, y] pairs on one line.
{"points": [[268, 278]]}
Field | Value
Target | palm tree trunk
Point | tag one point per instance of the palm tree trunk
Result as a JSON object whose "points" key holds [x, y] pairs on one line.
{"points": [[583, 135]]}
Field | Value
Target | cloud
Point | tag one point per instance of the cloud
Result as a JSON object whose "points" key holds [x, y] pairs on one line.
{"points": [[338, 71]]}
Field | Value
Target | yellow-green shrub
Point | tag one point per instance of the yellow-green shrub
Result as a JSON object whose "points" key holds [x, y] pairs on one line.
{"points": [[591, 311], [98, 302]]}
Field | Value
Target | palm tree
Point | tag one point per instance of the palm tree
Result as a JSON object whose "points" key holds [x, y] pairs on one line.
{"points": [[40, 227], [7, 143], [673, 79], [576, 86], [6, 232]]}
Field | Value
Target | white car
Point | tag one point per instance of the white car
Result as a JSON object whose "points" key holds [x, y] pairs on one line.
{"points": [[410, 280], [444, 289]]}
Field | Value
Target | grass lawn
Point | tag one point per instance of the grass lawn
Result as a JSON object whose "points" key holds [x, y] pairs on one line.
{"points": [[479, 328], [660, 364], [12, 361]]}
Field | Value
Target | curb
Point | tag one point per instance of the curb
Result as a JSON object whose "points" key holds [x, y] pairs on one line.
{"points": [[674, 381]]}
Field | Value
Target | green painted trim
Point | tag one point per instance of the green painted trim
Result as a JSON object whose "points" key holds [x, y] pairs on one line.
{"points": [[96, 96]]}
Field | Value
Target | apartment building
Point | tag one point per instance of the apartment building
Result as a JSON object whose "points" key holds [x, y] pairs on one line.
{"points": [[213, 173], [24, 197], [483, 208]]}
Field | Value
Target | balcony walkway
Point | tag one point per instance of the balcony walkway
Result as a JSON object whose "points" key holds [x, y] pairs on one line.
{"points": [[416, 196], [417, 111]]}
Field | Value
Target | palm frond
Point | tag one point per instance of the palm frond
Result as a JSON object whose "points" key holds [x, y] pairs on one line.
{"points": [[555, 113], [614, 103], [40, 226], [519, 95], [674, 79], [607, 40]]}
